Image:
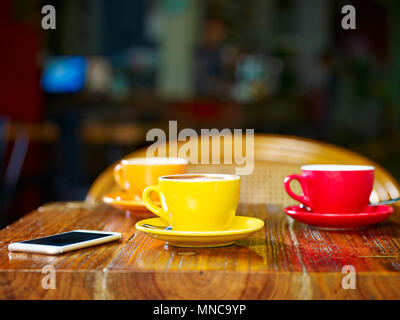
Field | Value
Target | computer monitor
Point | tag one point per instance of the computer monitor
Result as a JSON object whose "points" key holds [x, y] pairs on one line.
{"points": [[65, 74]]}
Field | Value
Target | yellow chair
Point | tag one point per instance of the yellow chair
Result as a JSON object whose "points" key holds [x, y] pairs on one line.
{"points": [[275, 156]]}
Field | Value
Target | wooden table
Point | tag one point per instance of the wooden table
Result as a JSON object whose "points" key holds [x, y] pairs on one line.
{"points": [[285, 260]]}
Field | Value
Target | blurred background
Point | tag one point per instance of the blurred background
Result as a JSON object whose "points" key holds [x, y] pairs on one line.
{"points": [[75, 99]]}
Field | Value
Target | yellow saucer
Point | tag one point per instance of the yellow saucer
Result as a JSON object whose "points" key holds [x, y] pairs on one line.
{"points": [[241, 227], [124, 201]]}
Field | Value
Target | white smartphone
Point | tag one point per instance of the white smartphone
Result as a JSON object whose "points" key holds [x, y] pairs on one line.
{"points": [[63, 242]]}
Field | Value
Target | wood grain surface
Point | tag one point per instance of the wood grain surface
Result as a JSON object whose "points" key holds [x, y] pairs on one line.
{"points": [[285, 260]]}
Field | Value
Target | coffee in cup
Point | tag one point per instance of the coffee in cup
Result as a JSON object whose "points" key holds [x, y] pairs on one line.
{"points": [[333, 188], [195, 202]]}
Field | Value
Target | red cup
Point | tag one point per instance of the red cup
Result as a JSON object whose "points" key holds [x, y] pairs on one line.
{"points": [[333, 188]]}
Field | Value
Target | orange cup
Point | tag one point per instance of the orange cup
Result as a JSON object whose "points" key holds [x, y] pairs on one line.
{"points": [[134, 175]]}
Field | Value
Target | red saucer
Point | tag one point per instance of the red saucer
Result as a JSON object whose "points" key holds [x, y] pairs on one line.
{"points": [[370, 216]]}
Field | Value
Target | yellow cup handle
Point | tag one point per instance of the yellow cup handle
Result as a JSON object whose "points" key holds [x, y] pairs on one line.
{"points": [[150, 204], [119, 179]]}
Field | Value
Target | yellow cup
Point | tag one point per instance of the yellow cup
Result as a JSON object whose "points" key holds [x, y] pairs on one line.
{"points": [[195, 202], [134, 175]]}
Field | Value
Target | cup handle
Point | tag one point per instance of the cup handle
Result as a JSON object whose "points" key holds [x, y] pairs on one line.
{"points": [[301, 198], [148, 202], [118, 176]]}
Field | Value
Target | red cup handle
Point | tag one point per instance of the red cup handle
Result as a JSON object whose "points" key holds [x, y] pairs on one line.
{"points": [[301, 198]]}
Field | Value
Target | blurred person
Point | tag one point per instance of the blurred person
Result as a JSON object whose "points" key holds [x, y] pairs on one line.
{"points": [[21, 98], [209, 68]]}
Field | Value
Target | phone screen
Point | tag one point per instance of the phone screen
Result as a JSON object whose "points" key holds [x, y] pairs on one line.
{"points": [[67, 238]]}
